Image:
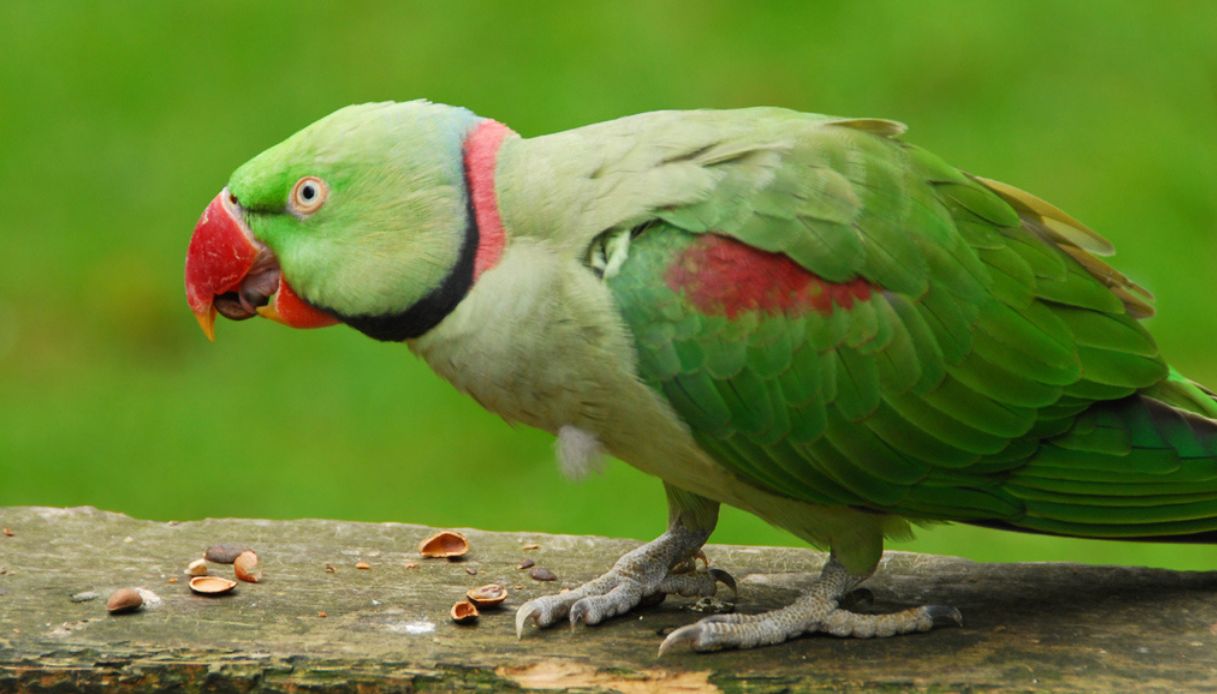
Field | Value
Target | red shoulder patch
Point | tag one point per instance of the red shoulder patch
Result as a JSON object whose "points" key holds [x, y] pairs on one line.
{"points": [[721, 275]]}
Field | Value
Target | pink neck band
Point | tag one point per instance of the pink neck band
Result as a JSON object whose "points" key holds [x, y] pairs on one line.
{"points": [[481, 155]]}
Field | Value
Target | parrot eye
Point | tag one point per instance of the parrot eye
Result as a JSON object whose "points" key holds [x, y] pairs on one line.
{"points": [[308, 195]]}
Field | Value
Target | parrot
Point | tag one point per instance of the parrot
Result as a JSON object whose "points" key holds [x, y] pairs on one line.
{"points": [[802, 316]]}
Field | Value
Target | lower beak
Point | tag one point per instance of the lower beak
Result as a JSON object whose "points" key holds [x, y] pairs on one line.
{"points": [[220, 254]]}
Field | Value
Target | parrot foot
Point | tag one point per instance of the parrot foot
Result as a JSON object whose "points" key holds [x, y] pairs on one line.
{"points": [[642, 576], [816, 610]]}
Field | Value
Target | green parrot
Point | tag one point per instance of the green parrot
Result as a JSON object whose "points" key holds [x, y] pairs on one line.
{"points": [[799, 315]]}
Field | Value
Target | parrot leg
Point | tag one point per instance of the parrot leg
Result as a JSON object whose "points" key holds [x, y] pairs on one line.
{"points": [[818, 609], [642, 576]]}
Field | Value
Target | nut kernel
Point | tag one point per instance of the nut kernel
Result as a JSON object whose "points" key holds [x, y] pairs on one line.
{"points": [[124, 600]]}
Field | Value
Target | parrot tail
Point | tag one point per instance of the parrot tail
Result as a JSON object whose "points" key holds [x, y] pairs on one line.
{"points": [[1140, 468]]}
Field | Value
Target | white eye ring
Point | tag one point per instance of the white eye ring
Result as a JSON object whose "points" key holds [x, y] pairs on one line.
{"points": [[308, 195]]}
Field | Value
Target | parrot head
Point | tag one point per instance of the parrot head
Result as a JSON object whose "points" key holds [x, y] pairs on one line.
{"points": [[363, 218]]}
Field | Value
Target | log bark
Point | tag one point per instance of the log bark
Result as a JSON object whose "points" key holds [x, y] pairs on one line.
{"points": [[316, 621]]}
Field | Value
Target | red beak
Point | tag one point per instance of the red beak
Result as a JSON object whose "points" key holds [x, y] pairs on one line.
{"points": [[221, 254]]}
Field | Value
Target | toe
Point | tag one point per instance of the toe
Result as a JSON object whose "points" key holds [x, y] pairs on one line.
{"points": [[594, 609]]}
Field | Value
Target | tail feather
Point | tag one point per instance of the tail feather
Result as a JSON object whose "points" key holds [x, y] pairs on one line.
{"points": [[1140, 468]]}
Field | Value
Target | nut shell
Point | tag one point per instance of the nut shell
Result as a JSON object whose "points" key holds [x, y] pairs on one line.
{"points": [[444, 544], [198, 567], [464, 612], [245, 566], [124, 600], [211, 585], [487, 595]]}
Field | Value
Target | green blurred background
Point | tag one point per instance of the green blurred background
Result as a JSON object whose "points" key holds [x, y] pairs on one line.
{"points": [[120, 120]]}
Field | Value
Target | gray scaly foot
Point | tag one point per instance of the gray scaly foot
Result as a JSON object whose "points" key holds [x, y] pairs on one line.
{"points": [[648, 573], [816, 610]]}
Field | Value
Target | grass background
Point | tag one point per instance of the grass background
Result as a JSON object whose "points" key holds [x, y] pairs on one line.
{"points": [[120, 120]]}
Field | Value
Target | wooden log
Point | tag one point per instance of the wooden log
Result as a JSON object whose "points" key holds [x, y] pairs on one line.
{"points": [[307, 625]]}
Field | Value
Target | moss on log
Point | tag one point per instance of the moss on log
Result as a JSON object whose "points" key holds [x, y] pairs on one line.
{"points": [[306, 626]]}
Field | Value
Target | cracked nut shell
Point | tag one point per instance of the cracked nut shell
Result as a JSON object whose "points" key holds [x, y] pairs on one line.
{"points": [[488, 595], [444, 544], [211, 585], [464, 612], [245, 566]]}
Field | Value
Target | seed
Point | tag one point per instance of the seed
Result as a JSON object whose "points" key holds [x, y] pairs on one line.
{"points": [[526, 564], [8, 532], [198, 567], [471, 570], [85, 596], [362, 565], [541, 573], [330, 569], [245, 566], [173, 579], [444, 544], [487, 595], [530, 547], [464, 612], [224, 554], [211, 585], [124, 600], [322, 614], [411, 565]]}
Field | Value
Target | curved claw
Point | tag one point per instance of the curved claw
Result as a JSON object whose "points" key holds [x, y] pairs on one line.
{"points": [[528, 611], [726, 579], [578, 613], [690, 634], [944, 615]]}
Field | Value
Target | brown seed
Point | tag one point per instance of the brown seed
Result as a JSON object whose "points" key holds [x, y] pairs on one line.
{"points": [[464, 612], [330, 569], [322, 614], [245, 566], [526, 564], [211, 585], [530, 547], [124, 600], [198, 567], [362, 565], [173, 579], [487, 595], [541, 573], [444, 544], [411, 565], [8, 532], [471, 570], [224, 554]]}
